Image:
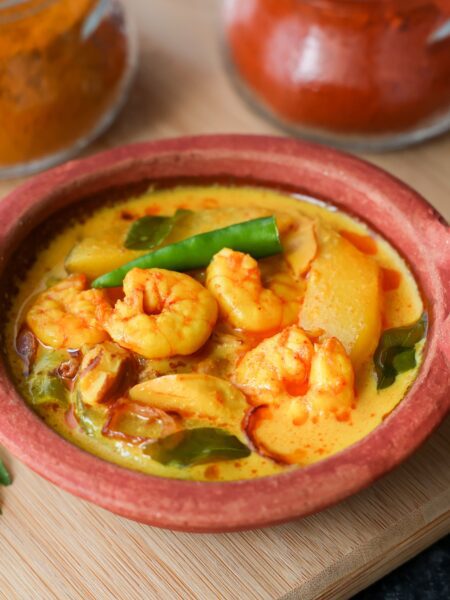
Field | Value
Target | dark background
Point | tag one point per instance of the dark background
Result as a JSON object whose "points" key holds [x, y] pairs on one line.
{"points": [[425, 577]]}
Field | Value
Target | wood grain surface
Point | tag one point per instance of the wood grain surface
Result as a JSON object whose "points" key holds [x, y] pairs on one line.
{"points": [[54, 546]]}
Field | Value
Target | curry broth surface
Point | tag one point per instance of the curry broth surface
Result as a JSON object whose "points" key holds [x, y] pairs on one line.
{"points": [[321, 436]]}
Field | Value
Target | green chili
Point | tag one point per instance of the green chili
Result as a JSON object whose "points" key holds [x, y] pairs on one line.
{"points": [[258, 237]]}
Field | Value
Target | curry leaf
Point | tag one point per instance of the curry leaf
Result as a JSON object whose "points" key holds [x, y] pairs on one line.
{"points": [[406, 336], [149, 231], [5, 477], [404, 361], [196, 446], [396, 351]]}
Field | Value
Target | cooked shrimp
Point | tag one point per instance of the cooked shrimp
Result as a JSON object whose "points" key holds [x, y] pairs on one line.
{"points": [[67, 314], [275, 430], [278, 364], [163, 314], [331, 380], [288, 365], [234, 279], [309, 379]]}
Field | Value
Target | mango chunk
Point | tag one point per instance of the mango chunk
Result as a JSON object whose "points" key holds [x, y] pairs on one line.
{"points": [[300, 247], [94, 257], [103, 372], [195, 396], [343, 297]]}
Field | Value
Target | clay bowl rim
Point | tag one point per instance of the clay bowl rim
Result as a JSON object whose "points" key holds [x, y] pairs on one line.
{"points": [[360, 188]]}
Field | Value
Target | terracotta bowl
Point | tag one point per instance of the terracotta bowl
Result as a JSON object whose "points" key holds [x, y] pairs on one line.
{"points": [[387, 205]]}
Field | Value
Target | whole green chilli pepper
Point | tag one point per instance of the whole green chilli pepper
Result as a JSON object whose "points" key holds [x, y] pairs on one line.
{"points": [[257, 237]]}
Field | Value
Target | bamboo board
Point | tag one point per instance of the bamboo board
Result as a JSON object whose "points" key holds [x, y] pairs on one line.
{"points": [[54, 546]]}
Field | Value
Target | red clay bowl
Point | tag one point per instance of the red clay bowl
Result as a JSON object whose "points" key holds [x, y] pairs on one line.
{"points": [[387, 205]]}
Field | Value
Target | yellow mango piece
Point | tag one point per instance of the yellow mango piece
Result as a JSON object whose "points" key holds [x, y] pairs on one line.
{"points": [[343, 297], [300, 247], [102, 371], [94, 257], [195, 396]]}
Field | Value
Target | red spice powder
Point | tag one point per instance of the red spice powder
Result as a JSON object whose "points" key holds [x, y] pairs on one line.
{"points": [[346, 67]]}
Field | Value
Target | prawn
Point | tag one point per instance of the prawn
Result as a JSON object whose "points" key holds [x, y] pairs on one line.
{"points": [[234, 279], [277, 365], [289, 365], [67, 314], [308, 379], [163, 314]]}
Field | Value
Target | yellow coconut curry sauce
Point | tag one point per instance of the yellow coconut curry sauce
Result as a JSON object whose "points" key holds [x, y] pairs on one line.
{"points": [[237, 369]]}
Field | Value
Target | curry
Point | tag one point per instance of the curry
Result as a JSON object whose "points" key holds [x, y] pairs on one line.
{"points": [[215, 333]]}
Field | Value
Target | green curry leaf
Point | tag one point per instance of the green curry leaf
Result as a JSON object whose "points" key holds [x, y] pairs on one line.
{"points": [[396, 351], [196, 446], [404, 361], [5, 477], [149, 231], [406, 336]]}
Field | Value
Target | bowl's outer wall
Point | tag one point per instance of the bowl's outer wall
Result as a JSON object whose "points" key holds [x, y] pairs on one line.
{"points": [[387, 205]]}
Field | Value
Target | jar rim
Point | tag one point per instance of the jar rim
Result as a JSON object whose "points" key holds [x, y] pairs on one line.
{"points": [[14, 10], [380, 2], [13, 3]]}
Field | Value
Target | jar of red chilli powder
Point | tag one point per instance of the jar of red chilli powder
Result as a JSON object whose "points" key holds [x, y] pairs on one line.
{"points": [[359, 74]]}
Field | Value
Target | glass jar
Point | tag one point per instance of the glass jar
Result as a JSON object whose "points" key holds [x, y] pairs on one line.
{"points": [[360, 74], [65, 69]]}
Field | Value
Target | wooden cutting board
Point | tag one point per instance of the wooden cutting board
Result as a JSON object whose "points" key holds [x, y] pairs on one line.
{"points": [[54, 546]]}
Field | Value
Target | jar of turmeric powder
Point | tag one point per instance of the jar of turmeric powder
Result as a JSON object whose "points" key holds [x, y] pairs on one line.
{"points": [[65, 68], [361, 74]]}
